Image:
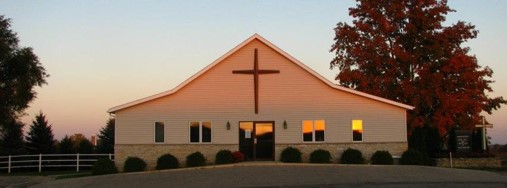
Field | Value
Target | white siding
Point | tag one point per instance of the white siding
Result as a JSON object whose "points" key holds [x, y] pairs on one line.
{"points": [[292, 95]]}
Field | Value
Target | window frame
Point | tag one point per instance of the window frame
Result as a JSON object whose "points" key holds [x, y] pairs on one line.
{"points": [[155, 132], [200, 132], [362, 130], [313, 131]]}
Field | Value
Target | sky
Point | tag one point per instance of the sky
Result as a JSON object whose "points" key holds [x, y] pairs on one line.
{"points": [[101, 54]]}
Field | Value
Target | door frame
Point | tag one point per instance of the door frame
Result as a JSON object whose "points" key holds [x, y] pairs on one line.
{"points": [[254, 152]]}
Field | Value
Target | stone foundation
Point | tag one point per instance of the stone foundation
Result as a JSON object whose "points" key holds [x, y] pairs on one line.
{"points": [[336, 150], [469, 162], [151, 152]]}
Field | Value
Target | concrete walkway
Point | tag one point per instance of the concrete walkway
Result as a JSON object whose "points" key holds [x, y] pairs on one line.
{"points": [[293, 175]]}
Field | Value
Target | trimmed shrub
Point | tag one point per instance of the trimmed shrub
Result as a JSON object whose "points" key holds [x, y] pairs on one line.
{"points": [[413, 157], [320, 156], [290, 155], [134, 164], [224, 157], [238, 156], [382, 158], [352, 156], [427, 139], [167, 161], [196, 159], [104, 166]]}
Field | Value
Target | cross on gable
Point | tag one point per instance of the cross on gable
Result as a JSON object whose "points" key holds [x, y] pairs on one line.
{"points": [[256, 72]]}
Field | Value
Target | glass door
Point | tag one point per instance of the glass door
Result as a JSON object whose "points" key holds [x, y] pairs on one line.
{"points": [[256, 140], [264, 141], [246, 139]]}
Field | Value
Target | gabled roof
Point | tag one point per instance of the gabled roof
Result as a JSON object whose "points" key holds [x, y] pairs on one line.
{"points": [[284, 54]]}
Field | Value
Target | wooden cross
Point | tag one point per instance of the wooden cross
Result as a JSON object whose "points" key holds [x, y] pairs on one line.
{"points": [[484, 125], [256, 72]]}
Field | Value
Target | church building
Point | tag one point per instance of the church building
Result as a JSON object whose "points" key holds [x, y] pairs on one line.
{"points": [[257, 99]]}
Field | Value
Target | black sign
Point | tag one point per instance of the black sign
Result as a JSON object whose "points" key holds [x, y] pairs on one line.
{"points": [[463, 141]]}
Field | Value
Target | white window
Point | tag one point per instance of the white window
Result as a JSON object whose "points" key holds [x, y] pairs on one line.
{"points": [[357, 130], [159, 132], [313, 130], [200, 132]]}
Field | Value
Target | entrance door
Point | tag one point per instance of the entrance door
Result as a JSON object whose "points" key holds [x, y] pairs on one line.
{"points": [[256, 140]]}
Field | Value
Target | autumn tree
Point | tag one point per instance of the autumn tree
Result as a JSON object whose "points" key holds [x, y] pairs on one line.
{"points": [[20, 72], [400, 50], [81, 144], [40, 138], [106, 138], [84, 146]]}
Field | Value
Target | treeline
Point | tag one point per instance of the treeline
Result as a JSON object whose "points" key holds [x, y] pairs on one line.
{"points": [[499, 150], [40, 139]]}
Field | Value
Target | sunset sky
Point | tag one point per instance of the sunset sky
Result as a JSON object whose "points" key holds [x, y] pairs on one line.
{"points": [[105, 53]]}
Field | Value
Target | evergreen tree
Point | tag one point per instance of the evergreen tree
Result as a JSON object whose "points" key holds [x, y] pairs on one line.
{"points": [[40, 138], [452, 144], [106, 138], [66, 146], [11, 139], [425, 139], [477, 141]]}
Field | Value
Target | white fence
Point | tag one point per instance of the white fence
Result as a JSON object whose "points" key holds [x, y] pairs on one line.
{"points": [[50, 160]]}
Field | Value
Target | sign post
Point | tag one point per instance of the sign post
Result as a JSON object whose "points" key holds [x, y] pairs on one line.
{"points": [[484, 126]]}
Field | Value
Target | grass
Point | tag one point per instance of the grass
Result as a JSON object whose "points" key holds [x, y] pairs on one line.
{"points": [[74, 175], [502, 170], [57, 174]]}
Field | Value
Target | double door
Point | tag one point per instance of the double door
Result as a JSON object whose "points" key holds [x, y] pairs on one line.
{"points": [[256, 140]]}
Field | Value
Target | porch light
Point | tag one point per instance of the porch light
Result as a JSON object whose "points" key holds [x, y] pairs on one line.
{"points": [[284, 124], [228, 125]]}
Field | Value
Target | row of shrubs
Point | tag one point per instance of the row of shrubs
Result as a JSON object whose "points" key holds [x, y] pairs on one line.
{"points": [[354, 156], [166, 161], [288, 155]]}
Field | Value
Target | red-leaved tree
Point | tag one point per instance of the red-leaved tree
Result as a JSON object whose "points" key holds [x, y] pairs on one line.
{"points": [[400, 50]]}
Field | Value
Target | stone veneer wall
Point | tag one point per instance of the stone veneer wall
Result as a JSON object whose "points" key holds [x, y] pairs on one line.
{"points": [[469, 162], [336, 150], [151, 152]]}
